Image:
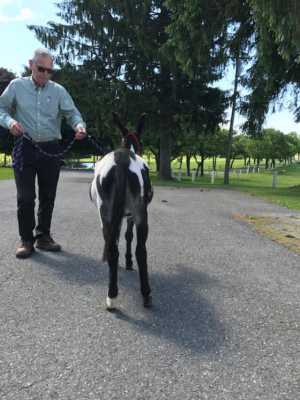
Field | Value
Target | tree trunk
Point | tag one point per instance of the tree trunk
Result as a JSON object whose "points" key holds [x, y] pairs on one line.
{"points": [[157, 162], [214, 163], [188, 164], [198, 168], [267, 163], [166, 128], [230, 132], [156, 156], [165, 155], [198, 165], [180, 162], [202, 164]]}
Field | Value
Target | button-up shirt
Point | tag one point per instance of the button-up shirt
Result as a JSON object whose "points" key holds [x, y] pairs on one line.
{"points": [[38, 109]]}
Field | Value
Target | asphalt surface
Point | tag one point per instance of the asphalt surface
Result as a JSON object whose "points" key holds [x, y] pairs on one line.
{"points": [[225, 321]]}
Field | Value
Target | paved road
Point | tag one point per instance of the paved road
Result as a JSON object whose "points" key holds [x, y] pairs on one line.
{"points": [[225, 324]]}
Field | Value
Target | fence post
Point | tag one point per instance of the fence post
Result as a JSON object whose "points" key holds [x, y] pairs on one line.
{"points": [[212, 177], [274, 180], [193, 176], [179, 175]]}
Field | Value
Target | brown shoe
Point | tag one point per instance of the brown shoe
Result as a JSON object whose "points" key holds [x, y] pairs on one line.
{"points": [[46, 243], [25, 249]]}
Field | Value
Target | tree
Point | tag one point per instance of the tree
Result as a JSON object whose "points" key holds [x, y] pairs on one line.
{"points": [[240, 148], [201, 109], [292, 147], [219, 32], [122, 43], [5, 77], [274, 146], [119, 43], [276, 65], [294, 140], [256, 149], [6, 141], [281, 19]]}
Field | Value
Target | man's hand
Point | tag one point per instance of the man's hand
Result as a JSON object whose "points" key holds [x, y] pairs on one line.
{"points": [[80, 132], [16, 129]]}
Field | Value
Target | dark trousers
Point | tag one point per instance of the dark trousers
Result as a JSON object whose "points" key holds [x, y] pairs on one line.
{"points": [[46, 170]]}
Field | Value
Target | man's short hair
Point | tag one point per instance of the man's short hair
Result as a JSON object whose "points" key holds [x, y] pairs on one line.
{"points": [[42, 53]]}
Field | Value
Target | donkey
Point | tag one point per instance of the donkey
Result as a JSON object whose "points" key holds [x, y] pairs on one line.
{"points": [[121, 188]]}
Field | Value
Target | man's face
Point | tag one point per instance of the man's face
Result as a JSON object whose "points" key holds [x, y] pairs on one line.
{"points": [[41, 69]]}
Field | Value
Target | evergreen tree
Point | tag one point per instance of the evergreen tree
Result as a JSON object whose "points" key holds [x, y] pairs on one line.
{"points": [[119, 42], [6, 140], [122, 45], [276, 64], [219, 32]]}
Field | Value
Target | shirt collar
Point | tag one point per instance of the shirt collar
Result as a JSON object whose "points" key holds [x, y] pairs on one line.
{"points": [[38, 86]]}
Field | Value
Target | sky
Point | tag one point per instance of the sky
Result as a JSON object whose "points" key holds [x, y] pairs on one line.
{"points": [[17, 44]]}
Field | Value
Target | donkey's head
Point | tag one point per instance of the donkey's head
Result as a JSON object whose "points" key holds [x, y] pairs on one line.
{"points": [[131, 140]]}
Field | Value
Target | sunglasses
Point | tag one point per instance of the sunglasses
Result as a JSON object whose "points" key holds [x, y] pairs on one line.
{"points": [[43, 69]]}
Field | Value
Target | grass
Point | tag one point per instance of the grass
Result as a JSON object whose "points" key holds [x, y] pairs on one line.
{"points": [[287, 192], [6, 173], [282, 229]]}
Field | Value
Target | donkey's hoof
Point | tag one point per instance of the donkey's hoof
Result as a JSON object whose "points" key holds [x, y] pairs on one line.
{"points": [[111, 304], [148, 302]]}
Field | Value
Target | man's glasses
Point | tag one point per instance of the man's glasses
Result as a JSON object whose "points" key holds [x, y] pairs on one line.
{"points": [[43, 69]]}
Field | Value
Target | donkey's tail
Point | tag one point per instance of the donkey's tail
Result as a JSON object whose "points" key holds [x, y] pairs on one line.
{"points": [[119, 198]]}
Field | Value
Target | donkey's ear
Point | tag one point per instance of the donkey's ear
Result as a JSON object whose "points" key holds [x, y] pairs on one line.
{"points": [[119, 124], [141, 124]]}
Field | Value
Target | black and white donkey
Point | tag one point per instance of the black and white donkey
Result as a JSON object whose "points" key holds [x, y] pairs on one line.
{"points": [[121, 188]]}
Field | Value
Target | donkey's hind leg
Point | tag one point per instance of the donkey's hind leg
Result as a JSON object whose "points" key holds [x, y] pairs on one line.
{"points": [[129, 237], [141, 257], [112, 255], [105, 236], [112, 258]]}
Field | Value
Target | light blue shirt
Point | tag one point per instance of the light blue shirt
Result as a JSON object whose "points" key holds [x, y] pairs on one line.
{"points": [[38, 109]]}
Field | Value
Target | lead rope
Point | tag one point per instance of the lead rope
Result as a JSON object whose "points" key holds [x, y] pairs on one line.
{"points": [[18, 162]]}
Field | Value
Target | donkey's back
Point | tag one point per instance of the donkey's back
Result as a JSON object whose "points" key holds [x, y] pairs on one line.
{"points": [[121, 186]]}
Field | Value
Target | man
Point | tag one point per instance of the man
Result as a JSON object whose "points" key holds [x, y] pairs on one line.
{"points": [[35, 105]]}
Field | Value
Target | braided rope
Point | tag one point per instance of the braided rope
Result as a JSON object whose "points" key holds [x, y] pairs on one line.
{"points": [[17, 154], [45, 153], [101, 149], [18, 161]]}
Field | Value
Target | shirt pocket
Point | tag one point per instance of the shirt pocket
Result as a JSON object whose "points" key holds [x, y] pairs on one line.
{"points": [[50, 107]]}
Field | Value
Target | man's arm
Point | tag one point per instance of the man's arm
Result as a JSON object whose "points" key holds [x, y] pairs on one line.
{"points": [[7, 100], [72, 115]]}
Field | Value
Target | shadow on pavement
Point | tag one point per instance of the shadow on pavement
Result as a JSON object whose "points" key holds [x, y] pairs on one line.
{"points": [[181, 313], [74, 268]]}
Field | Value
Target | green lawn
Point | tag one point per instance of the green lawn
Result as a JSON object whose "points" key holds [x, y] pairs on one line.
{"points": [[6, 173], [286, 193]]}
